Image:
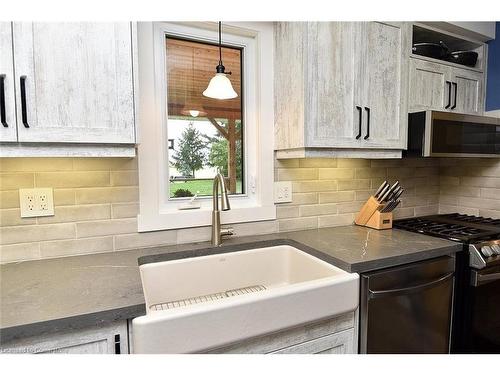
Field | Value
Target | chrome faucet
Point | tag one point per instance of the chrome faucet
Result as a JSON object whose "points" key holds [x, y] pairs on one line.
{"points": [[217, 231]]}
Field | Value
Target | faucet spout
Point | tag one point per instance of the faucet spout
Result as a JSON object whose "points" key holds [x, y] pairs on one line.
{"points": [[217, 232]]}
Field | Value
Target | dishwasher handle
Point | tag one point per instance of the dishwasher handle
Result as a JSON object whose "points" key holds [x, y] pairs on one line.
{"points": [[411, 289]]}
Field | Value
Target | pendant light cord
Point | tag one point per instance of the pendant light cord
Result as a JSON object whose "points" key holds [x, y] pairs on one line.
{"points": [[220, 43]]}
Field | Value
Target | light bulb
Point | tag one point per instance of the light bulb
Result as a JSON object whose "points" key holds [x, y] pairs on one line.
{"points": [[194, 112]]}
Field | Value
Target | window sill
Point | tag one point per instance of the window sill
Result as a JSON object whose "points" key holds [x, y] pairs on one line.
{"points": [[180, 219]]}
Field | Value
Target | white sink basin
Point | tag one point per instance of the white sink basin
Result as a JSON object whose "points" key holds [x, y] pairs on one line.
{"points": [[200, 303]]}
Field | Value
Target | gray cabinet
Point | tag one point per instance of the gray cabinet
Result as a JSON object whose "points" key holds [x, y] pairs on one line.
{"points": [[441, 87], [107, 339], [384, 84], [337, 343], [336, 335], [469, 87], [8, 132], [77, 82], [428, 87], [341, 88], [74, 88]]}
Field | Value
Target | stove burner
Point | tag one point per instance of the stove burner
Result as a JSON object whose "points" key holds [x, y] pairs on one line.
{"points": [[473, 219], [456, 227]]}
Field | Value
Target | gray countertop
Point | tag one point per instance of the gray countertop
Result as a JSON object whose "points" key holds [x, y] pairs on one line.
{"points": [[52, 295]]}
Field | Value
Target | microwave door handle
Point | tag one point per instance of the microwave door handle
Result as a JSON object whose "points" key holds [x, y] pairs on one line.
{"points": [[455, 96], [412, 289], [448, 83]]}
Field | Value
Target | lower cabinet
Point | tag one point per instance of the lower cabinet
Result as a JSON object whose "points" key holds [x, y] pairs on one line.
{"points": [[106, 339], [334, 335], [338, 335]]}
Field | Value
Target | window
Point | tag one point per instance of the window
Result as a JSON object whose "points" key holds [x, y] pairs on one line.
{"points": [[206, 134], [175, 63]]}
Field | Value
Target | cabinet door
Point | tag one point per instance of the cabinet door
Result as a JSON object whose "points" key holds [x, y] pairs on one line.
{"points": [[8, 131], [78, 82], [338, 343], [469, 91], [108, 339], [331, 79], [428, 87], [384, 57]]}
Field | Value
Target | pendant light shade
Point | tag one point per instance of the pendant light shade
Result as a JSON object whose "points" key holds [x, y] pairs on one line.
{"points": [[220, 86]]}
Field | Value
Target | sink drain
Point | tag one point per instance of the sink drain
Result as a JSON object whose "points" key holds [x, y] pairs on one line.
{"points": [[207, 298]]}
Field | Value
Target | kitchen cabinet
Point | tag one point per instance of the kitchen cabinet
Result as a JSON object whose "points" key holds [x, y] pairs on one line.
{"points": [[337, 343], [435, 86], [335, 99], [107, 339], [469, 86], [336, 335], [74, 85], [8, 132]]}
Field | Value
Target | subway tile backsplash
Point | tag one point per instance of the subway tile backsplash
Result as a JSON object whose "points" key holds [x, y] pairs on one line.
{"points": [[96, 200]]}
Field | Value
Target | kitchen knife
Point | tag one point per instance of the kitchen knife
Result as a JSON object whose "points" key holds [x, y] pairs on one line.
{"points": [[381, 187], [384, 196], [392, 190], [395, 205], [398, 194], [384, 191]]}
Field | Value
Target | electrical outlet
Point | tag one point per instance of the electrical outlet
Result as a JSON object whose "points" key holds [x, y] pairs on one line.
{"points": [[36, 202], [283, 192]]}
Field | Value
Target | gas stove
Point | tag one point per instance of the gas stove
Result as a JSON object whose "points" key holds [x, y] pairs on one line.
{"points": [[481, 235]]}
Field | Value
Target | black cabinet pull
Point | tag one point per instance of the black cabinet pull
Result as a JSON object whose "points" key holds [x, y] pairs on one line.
{"points": [[455, 96], [24, 111], [367, 123], [360, 120], [117, 344], [3, 117], [449, 95]]}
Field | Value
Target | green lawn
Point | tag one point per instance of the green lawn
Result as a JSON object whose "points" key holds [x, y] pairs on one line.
{"points": [[203, 186]]}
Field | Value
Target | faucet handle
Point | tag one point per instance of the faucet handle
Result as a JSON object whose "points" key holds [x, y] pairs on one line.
{"points": [[229, 231]]}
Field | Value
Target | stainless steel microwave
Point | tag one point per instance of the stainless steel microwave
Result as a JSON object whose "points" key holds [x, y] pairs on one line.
{"points": [[445, 134]]}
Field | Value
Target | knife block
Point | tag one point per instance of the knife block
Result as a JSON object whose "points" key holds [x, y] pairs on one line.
{"points": [[370, 215]]}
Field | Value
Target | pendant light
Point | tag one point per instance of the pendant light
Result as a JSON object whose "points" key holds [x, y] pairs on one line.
{"points": [[192, 107], [220, 86]]}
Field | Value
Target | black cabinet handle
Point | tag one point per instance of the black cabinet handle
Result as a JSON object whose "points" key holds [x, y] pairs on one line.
{"points": [[24, 110], [367, 123], [455, 99], [117, 344], [3, 117], [360, 120], [449, 95]]}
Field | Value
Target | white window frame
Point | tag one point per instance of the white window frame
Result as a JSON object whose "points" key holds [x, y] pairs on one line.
{"points": [[157, 212]]}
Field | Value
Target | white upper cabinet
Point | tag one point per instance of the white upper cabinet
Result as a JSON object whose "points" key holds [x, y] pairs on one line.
{"points": [[442, 85], [341, 89], [330, 93], [74, 82], [8, 131], [384, 84], [430, 85], [435, 86], [469, 91]]}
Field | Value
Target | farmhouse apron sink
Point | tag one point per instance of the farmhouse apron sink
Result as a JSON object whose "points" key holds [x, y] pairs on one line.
{"points": [[200, 303]]}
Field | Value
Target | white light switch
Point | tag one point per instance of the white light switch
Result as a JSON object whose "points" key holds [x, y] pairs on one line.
{"points": [[283, 192], [36, 202]]}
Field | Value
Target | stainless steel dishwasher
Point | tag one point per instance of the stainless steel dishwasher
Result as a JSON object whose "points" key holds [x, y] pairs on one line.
{"points": [[407, 309]]}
